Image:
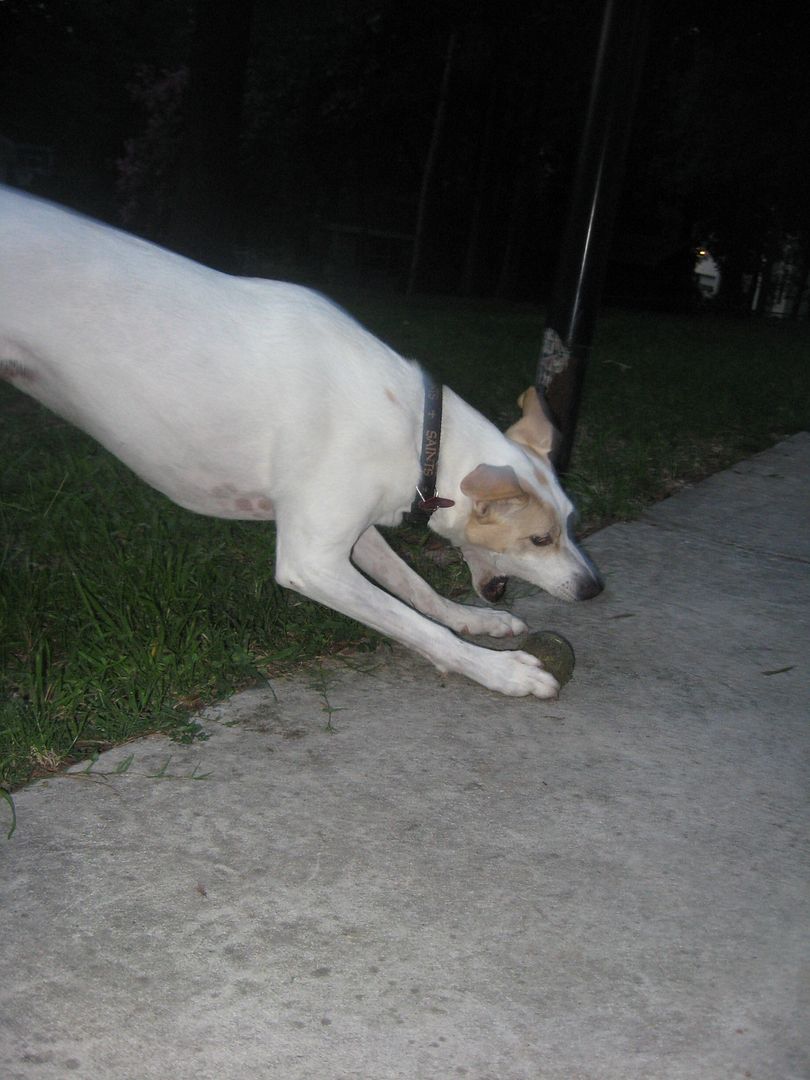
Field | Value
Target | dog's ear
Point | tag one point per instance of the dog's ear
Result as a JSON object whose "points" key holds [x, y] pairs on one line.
{"points": [[534, 429], [488, 484]]}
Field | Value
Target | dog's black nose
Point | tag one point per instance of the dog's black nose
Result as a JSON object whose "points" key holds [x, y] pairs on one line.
{"points": [[589, 588]]}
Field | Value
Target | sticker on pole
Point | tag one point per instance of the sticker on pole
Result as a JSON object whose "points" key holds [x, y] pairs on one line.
{"points": [[554, 358]]}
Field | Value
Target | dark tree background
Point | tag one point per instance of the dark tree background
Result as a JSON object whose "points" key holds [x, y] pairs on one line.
{"points": [[291, 137]]}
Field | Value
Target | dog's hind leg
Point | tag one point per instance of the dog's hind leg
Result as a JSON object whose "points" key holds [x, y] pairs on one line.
{"points": [[374, 557]]}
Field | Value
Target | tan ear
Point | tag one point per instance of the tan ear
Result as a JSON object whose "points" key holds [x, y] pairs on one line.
{"points": [[534, 429], [488, 484]]}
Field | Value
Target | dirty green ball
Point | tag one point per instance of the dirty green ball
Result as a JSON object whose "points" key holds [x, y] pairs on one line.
{"points": [[554, 653]]}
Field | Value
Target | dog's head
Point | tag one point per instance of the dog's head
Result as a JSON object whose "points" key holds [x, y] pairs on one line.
{"points": [[520, 519]]}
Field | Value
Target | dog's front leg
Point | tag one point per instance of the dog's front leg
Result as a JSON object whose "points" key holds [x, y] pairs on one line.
{"points": [[375, 558], [321, 571]]}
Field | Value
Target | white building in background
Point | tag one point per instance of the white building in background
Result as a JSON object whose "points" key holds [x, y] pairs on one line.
{"points": [[707, 273], [782, 286]]}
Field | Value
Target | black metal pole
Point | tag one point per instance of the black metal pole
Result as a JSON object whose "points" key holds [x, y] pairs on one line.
{"points": [[578, 285]]}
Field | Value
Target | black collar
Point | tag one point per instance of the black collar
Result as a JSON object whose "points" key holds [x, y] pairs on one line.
{"points": [[427, 501]]}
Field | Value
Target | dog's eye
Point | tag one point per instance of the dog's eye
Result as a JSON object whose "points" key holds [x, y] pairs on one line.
{"points": [[541, 541]]}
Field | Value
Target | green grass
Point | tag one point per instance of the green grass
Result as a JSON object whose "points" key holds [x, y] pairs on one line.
{"points": [[121, 614]]}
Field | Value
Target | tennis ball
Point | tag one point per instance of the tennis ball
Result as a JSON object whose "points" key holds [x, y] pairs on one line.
{"points": [[554, 653]]}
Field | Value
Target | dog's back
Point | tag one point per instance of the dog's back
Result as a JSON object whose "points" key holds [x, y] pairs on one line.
{"points": [[190, 376]]}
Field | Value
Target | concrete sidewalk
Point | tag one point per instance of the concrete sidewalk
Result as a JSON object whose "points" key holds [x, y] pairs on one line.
{"points": [[453, 883]]}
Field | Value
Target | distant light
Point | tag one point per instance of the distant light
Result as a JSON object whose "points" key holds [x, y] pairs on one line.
{"points": [[702, 253]]}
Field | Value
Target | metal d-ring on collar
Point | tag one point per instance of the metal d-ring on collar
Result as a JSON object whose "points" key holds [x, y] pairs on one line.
{"points": [[427, 501]]}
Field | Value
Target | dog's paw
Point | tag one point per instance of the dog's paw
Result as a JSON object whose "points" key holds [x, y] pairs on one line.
{"points": [[528, 676], [491, 621], [518, 674]]}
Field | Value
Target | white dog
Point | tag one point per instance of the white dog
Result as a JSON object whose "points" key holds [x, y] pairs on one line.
{"points": [[244, 398]]}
